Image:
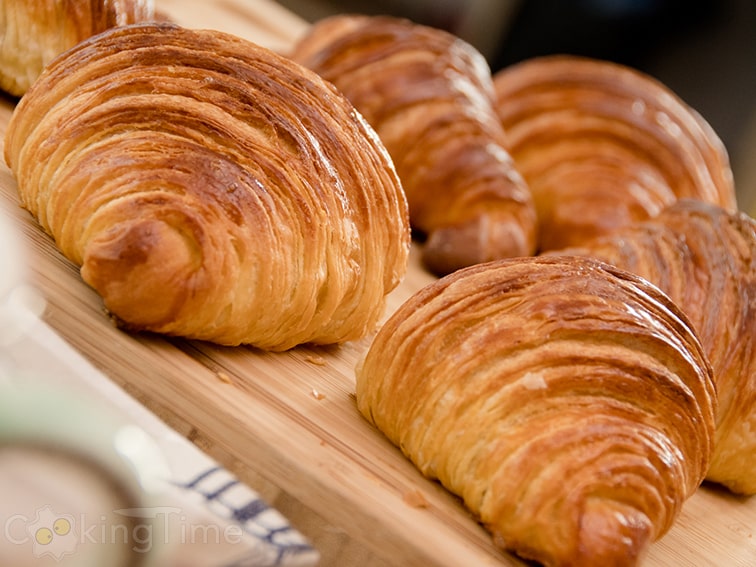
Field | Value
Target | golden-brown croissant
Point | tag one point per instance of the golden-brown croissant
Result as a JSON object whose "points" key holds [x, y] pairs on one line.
{"points": [[602, 145], [704, 258], [429, 96], [567, 402], [33, 32], [211, 189]]}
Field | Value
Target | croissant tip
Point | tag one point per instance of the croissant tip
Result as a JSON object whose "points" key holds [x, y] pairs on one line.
{"points": [[129, 260], [612, 533]]}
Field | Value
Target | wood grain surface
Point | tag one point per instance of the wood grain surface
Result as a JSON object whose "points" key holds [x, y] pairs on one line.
{"points": [[287, 422]]}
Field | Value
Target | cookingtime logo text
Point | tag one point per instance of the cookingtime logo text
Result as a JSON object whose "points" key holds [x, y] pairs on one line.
{"points": [[57, 535]]}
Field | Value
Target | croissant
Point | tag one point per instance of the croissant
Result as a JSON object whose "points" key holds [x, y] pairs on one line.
{"points": [[211, 189], [704, 258], [32, 33], [429, 97], [567, 402], [602, 145]]}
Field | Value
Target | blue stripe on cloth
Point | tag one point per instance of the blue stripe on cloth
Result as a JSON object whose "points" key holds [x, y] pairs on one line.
{"points": [[288, 547], [199, 478], [249, 511], [219, 492]]}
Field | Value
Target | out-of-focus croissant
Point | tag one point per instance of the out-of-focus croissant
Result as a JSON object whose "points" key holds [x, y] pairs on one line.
{"points": [[211, 188], [704, 258], [567, 402], [602, 145], [429, 95], [32, 33]]}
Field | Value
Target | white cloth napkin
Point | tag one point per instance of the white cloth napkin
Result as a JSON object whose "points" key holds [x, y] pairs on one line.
{"points": [[210, 518]]}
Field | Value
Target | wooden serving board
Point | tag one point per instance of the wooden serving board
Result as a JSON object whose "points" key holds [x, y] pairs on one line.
{"points": [[291, 417]]}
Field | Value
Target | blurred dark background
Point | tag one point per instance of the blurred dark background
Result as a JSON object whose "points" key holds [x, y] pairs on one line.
{"points": [[704, 50]]}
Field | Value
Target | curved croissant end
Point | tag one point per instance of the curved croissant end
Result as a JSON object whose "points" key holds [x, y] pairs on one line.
{"points": [[568, 403], [212, 189]]}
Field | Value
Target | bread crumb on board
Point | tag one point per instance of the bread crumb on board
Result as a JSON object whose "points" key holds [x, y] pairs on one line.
{"points": [[315, 359], [223, 377], [318, 395], [415, 499]]}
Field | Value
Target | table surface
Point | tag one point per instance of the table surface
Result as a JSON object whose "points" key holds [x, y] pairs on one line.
{"points": [[286, 423]]}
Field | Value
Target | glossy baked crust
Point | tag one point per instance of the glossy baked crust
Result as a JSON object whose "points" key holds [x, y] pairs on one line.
{"points": [[429, 96], [602, 145], [33, 32], [567, 402], [704, 258], [211, 189]]}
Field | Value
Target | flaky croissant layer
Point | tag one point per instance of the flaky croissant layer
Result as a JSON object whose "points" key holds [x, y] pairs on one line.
{"points": [[704, 258], [211, 189], [602, 145], [568, 403]]}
